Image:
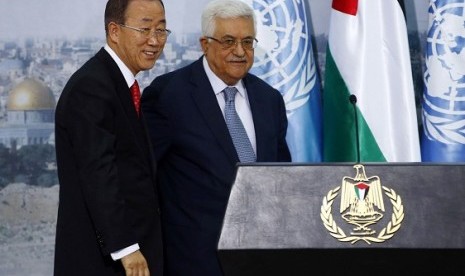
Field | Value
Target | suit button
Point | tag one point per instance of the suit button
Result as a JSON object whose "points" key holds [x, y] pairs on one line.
{"points": [[100, 239]]}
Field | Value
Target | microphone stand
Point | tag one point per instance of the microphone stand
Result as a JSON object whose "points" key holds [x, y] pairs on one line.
{"points": [[353, 101]]}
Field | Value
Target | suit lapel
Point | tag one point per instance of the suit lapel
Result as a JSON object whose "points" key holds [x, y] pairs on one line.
{"points": [[258, 110], [204, 97], [124, 96]]}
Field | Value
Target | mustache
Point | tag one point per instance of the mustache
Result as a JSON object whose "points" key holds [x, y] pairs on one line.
{"points": [[238, 60]]}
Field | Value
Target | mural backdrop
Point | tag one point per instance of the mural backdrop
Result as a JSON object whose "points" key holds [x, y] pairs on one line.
{"points": [[43, 42]]}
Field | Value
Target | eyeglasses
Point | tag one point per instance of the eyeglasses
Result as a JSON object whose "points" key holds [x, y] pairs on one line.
{"points": [[229, 43], [159, 34]]}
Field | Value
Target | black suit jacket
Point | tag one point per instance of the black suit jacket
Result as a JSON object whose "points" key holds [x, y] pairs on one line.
{"points": [[197, 159], [108, 198]]}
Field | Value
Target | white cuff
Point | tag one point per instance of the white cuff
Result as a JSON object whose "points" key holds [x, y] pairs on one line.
{"points": [[124, 252]]}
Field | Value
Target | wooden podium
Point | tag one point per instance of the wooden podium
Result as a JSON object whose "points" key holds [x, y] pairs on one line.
{"points": [[348, 219]]}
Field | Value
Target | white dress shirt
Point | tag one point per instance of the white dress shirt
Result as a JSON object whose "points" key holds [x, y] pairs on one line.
{"points": [[241, 101]]}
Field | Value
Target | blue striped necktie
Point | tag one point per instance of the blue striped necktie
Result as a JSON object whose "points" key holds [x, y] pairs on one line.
{"points": [[236, 128]]}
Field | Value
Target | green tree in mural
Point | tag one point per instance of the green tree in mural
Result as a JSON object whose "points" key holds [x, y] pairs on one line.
{"points": [[34, 161], [5, 166]]}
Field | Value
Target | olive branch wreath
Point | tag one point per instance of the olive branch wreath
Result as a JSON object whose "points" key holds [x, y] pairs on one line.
{"points": [[298, 94], [444, 130], [385, 234]]}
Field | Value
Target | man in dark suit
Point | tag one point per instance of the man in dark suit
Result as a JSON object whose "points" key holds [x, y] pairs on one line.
{"points": [[108, 219], [195, 151]]}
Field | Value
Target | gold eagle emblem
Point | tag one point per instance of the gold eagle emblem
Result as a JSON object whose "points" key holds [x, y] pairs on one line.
{"points": [[361, 194], [362, 205]]}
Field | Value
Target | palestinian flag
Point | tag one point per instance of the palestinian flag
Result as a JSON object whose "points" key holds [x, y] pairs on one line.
{"points": [[368, 57]]}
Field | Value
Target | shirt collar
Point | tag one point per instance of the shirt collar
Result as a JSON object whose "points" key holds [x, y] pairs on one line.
{"points": [[128, 76], [217, 84]]}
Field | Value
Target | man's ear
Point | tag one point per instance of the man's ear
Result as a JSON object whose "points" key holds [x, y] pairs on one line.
{"points": [[204, 44], [113, 32]]}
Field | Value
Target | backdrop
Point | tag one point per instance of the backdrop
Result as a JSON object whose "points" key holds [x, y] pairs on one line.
{"points": [[41, 44]]}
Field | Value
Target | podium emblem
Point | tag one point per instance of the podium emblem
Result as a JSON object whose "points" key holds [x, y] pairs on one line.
{"points": [[361, 209]]}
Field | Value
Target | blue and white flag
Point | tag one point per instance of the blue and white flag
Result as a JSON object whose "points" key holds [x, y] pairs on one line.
{"points": [[443, 106], [284, 59]]}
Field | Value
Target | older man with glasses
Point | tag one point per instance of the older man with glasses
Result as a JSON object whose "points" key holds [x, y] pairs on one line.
{"points": [[203, 119]]}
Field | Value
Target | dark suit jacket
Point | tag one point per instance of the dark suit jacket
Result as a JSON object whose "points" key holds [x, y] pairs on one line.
{"points": [[108, 198], [197, 159]]}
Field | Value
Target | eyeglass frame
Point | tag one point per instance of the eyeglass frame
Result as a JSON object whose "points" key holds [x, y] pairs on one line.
{"points": [[159, 34], [225, 46]]}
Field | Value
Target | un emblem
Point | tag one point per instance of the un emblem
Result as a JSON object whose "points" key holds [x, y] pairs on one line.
{"points": [[283, 56], [362, 207], [444, 98]]}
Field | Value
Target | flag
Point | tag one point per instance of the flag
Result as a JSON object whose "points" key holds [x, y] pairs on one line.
{"points": [[284, 59], [443, 103], [368, 57]]}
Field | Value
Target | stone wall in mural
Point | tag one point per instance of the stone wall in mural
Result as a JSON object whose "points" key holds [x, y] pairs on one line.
{"points": [[27, 229]]}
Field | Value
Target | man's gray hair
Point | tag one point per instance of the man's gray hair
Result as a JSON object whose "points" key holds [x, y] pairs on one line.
{"points": [[225, 9]]}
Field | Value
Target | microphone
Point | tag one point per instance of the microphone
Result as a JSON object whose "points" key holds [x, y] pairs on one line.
{"points": [[353, 101]]}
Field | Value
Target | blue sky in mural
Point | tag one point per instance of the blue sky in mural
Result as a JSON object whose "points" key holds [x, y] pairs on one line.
{"points": [[71, 19]]}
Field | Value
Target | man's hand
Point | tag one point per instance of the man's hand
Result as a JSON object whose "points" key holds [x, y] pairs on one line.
{"points": [[135, 264]]}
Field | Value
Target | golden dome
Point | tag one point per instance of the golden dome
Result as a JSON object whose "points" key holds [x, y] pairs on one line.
{"points": [[31, 95]]}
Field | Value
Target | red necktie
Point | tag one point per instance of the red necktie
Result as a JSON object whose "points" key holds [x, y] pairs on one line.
{"points": [[135, 92]]}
